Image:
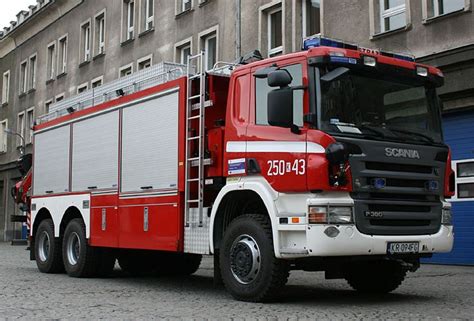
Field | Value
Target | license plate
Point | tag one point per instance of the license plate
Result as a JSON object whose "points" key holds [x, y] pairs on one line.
{"points": [[403, 247]]}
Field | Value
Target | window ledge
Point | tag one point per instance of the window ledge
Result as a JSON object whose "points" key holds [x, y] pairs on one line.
{"points": [[82, 64], [203, 3], [183, 13], [144, 33], [126, 42], [61, 75], [390, 32], [32, 90], [21, 95], [98, 56], [49, 81], [5, 104], [444, 16]]}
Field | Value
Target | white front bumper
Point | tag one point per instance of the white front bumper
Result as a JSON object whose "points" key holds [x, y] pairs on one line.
{"points": [[303, 240], [351, 242]]}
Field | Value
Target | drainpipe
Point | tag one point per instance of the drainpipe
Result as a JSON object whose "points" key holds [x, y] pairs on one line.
{"points": [[238, 29]]}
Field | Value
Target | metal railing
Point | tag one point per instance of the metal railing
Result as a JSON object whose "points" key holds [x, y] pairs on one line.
{"points": [[155, 75]]}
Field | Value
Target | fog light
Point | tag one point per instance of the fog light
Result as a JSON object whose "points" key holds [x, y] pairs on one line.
{"points": [[422, 71], [317, 215], [332, 231], [446, 216], [370, 61], [340, 215]]}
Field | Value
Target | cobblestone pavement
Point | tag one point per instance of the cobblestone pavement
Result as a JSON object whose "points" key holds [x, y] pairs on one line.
{"points": [[434, 292]]}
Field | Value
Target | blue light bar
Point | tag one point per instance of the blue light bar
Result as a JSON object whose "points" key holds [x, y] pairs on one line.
{"points": [[318, 41]]}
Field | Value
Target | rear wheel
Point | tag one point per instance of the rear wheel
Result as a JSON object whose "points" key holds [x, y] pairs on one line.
{"points": [[249, 269], [376, 277], [48, 249], [80, 259]]}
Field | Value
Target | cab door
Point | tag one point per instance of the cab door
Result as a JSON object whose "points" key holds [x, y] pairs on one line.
{"points": [[279, 153]]}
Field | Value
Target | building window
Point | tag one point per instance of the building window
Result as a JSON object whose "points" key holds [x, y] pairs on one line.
{"points": [[145, 62], [85, 41], [59, 97], [275, 32], [99, 34], [97, 82], [208, 41], [30, 123], [261, 96], [82, 88], [126, 70], [392, 15], [183, 6], [128, 23], [442, 7], [5, 87], [183, 51], [51, 73], [20, 129], [32, 73], [3, 136], [23, 77], [464, 178], [47, 104], [148, 14], [62, 55], [311, 17]]}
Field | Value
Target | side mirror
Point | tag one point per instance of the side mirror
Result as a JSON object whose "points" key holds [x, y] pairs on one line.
{"points": [[279, 78], [280, 107]]}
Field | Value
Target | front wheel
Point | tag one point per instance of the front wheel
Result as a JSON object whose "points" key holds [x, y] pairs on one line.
{"points": [[250, 271], [376, 277]]}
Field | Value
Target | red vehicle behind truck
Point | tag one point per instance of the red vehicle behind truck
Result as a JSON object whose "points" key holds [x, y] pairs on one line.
{"points": [[329, 159]]}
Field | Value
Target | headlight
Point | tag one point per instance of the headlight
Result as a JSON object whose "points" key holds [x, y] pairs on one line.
{"points": [[446, 216], [340, 215], [330, 215]]}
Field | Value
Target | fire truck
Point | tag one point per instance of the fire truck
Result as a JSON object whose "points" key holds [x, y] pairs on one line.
{"points": [[330, 159]]}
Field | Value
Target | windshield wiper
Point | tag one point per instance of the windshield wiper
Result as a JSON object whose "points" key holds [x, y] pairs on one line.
{"points": [[407, 132]]}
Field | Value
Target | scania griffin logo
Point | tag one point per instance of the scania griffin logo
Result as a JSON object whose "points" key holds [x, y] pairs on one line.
{"points": [[402, 153]]}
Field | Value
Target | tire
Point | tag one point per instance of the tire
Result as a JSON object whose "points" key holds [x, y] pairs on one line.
{"points": [[249, 269], [80, 259], [377, 277], [48, 253]]}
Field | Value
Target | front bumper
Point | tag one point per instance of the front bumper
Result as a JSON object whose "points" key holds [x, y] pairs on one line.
{"points": [[306, 240]]}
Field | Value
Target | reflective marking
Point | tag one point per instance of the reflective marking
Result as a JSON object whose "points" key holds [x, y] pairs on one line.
{"points": [[274, 147]]}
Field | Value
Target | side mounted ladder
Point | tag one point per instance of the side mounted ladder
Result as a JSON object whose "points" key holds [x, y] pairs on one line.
{"points": [[195, 111]]}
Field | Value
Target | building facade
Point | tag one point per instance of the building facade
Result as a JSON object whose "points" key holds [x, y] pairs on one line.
{"points": [[59, 48], [438, 33]]}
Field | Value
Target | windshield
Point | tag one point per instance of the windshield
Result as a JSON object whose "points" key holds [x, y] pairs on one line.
{"points": [[384, 109]]}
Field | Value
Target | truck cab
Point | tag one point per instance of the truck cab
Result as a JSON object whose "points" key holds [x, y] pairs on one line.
{"points": [[342, 147]]}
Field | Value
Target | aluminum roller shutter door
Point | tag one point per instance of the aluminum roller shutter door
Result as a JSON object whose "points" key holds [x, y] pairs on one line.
{"points": [[150, 144], [51, 161], [95, 153]]}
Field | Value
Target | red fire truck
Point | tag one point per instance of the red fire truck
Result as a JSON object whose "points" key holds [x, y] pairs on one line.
{"points": [[329, 159]]}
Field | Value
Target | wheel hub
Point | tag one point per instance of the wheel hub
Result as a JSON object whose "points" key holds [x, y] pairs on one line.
{"points": [[245, 259], [44, 246], [73, 248]]}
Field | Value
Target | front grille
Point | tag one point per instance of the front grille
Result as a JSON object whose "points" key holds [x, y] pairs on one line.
{"points": [[407, 168], [396, 195], [399, 208]]}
